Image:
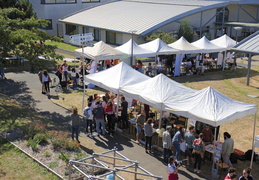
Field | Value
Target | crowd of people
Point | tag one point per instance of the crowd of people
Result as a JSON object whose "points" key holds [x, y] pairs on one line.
{"points": [[194, 150]]}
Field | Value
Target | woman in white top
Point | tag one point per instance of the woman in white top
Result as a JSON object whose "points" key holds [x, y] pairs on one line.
{"points": [[45, 81], [172, 169]]}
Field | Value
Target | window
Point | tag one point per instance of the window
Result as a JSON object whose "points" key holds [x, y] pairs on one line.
{"points": [[70, 29], [88, 1], [49, 26], [85, 30], [97, 35], [110, 37], [57, 1], [219, 17]]}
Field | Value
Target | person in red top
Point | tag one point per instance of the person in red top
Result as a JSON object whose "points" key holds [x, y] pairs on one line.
{"points": [[207, 135], [109, 111], [231, 171], [108, 63]]}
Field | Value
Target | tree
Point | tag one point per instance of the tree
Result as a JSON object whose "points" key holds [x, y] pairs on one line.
{"points": [[186, 31], [164, 36], [20, 34]]}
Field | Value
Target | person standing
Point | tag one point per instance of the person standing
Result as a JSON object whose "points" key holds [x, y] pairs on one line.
{"points": [[148, 130], [177, 140], [88, 116], [140, 124], [167, 143], [75, 123], [189, 138], [231, 172], [227, 148], [124, 113], [99, 118], [64, 68], [207, 135], [74, 77], [43, 90], [172, 169], [109, 111], [46, 80], [198, 151], [2, 64]]}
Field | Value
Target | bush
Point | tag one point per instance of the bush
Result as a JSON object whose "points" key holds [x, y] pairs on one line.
{"points": [[71, 145], [33, 144], [41, 138], [33, 129], [58, 139]]}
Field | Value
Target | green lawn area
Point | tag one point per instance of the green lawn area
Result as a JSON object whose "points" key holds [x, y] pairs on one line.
{"points": [[62, 45], [16, 165]]}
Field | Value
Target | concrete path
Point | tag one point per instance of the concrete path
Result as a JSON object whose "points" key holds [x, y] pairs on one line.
{"points": [[26, 89]]}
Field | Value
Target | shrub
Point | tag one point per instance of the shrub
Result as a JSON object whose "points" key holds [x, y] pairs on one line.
{"points": [[71, 145], [41, 138], [32, 129], [58, 138], [47, 154], [33, 144]]}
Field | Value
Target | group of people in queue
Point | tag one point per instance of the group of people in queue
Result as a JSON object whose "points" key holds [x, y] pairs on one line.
{"points": [[99, 115], [194, 147]]}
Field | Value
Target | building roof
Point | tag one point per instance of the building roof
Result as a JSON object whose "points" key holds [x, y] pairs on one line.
{"points": [[144, 16], [248, 45]]}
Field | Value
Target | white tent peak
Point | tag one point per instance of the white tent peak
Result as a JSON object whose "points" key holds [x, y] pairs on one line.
{"points": [[158, 46], [183, 45], [115, 77], [102, 51], [138, 52], [207, 46], [224, 41]]}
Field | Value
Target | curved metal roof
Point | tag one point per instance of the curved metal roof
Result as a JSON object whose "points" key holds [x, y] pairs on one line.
{"points": [[144, 16]]}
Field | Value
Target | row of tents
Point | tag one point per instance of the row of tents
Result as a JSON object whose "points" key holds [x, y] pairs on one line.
{"points": [[207, 105], [103, 51]]}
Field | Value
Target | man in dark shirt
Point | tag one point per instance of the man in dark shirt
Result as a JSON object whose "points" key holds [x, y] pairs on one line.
{"points": [[124, 113]]}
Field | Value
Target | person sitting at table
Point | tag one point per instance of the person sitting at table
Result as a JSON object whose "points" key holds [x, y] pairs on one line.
{"points": [[207, 135], [149, 70], [140, 124], [188, 67]]}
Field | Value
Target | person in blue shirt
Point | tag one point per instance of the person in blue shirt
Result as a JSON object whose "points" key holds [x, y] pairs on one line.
{"points": [[177, 140]]}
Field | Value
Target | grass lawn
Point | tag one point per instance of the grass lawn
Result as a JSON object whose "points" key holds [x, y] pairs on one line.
{"points": [[62, 45], [16, 165]]}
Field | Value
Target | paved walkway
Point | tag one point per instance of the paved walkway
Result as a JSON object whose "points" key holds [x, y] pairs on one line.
{"points": [[26, 89]]}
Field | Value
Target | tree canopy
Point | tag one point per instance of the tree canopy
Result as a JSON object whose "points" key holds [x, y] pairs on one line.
{"points": [[186, 31], [19, 31], [164, 36]]}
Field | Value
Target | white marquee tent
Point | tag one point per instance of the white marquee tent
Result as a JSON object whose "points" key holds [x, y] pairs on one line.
{"points": [[185, 47], [155, 91], [159, 47], [112, 79], [101, 51], [224, 41], [138, 52], [211, 107], [207, 46]]}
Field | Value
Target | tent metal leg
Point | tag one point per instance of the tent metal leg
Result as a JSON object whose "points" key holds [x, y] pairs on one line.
{"points": [[253, 145]]}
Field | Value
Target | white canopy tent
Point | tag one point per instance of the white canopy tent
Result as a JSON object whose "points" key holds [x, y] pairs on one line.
{"points": [[112, 79], [207, 46], [132, 48], [186, 48], [211, 107], [224, 41], [101, 51], [159, 47], [155, 91]]}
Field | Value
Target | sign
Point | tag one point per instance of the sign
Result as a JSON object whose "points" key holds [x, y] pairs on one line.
{"points": [[79, 39]]}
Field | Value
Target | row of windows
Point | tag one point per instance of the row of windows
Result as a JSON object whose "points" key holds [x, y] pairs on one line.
{"points": [[65, 1], [110, 36]]}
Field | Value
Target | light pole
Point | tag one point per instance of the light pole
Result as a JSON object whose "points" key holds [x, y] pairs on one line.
{"points": [[132, 32], [237, 29]]}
